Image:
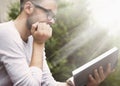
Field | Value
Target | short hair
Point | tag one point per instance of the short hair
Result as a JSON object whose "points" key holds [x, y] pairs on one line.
{"points": [[22, 2]]}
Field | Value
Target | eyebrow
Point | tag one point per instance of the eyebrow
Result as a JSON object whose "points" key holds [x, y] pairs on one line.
{"points": [[38, 6], [47, 10]]}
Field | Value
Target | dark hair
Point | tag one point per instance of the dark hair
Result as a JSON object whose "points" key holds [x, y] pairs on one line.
{"points": [[22, 2]]}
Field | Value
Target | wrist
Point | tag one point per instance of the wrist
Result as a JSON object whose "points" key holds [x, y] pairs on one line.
{"points": [[38, 44], [70, 82], [39, 41]]}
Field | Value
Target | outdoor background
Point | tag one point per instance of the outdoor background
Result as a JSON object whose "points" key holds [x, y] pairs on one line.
{"points": [[84, 29]]}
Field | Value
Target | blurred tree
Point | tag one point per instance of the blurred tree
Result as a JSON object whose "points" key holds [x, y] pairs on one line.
{"points": [[65, 29]]}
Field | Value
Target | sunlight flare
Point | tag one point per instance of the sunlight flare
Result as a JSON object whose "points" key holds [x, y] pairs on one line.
{"points": [[106, 14]]}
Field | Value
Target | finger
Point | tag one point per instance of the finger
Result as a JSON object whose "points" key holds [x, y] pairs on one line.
{"points": [[91, 79], [96, 75], [108, 71], [102, 76], [34, 26], [40, 27], [50, 31]]}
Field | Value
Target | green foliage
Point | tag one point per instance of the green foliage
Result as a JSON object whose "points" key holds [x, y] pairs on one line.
{"points": [[14, 11], [63, 30]]}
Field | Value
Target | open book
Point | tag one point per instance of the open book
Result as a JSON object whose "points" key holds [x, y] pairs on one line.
{"points": [[80, 75]]}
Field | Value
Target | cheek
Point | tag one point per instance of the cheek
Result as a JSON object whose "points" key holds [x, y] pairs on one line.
{"points": [[38, 18], [31, 20], [40, 15]]}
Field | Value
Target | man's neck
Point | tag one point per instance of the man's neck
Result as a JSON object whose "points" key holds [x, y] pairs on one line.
{"points": [[20, 24]]}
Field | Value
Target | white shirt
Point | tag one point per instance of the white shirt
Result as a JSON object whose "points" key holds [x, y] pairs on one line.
{"points": [[15, 57]]}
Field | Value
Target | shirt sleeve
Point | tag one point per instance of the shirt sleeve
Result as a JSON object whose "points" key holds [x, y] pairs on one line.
{"points": [[47, 78], [14, 59]]}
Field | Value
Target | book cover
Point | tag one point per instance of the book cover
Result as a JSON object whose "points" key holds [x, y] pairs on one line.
{"points": [[80, 75]]}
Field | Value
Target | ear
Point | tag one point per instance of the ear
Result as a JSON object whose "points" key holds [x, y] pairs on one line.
{"points": [[28, 8]]}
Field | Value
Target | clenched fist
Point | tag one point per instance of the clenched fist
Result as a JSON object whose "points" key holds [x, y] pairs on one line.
{"points": [[41, 32]]}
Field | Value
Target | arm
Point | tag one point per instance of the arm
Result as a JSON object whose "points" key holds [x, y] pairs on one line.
{"points": [[40, 32], [37, 59], [14, 60]]}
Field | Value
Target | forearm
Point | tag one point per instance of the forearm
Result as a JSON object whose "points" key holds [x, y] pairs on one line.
{"points": [[37, 55], [62, 84], [41, 32], [67, 83]]}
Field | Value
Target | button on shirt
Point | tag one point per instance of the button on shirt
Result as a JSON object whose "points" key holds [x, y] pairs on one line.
{"points": [[15, 57]]}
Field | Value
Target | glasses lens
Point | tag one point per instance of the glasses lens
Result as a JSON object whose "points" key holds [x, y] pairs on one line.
{"points": [[51, 15]]}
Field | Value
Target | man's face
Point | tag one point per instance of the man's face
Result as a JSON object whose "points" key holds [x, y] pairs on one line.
{"points": [[43, 12]]}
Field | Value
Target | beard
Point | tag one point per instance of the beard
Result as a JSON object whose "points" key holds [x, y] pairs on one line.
{"points": [[31, 20], [29, 23]]}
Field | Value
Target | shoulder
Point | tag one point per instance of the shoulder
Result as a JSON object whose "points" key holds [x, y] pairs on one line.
{"points": [[8, 31], [5, 25], [9, 37]]}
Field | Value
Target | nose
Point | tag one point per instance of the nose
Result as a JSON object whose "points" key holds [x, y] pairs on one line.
{"points": [[52, 21]]}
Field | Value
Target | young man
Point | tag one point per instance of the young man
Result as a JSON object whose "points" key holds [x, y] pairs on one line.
{"points": [[22, 42]]}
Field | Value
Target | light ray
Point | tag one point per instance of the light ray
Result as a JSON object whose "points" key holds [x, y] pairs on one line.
{"points": [[104, 14]]}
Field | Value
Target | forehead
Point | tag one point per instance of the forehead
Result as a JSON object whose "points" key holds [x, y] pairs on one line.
{"points": [[49, 4]]}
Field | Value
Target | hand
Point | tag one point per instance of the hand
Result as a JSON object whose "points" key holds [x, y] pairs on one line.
{"points": [[99, 76], [41, 32]]}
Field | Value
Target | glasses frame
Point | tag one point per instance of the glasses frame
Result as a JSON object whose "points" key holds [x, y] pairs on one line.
{"points": [[49, 13]]}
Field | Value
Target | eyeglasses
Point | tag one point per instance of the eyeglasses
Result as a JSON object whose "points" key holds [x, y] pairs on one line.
{"points": [[49, 13]]}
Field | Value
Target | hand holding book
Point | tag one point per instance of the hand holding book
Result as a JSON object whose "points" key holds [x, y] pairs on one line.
{"points": [[99, 76], [96, 70], [94, 80]]}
